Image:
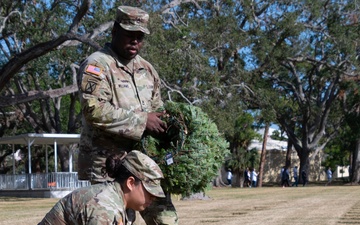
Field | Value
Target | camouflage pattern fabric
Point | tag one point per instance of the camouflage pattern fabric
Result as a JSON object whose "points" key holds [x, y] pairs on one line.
{"points": [[132, 19], [115, 113], [100, 204], [115, 96], [115, 101], [161, 211], [146, 169]]}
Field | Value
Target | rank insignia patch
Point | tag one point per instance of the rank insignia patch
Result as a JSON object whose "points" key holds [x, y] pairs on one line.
{"points": [[93, 69]]}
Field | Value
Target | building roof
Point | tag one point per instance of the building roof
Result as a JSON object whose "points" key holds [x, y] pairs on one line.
{"points": [[271, 144], [41, 139]]}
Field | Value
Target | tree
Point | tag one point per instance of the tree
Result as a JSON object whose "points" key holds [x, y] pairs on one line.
{"points": [[304, 49], [338, 150], [263, 154], [223, 56], [351, 106], [297, 50], [242, 157], [40, 49]]}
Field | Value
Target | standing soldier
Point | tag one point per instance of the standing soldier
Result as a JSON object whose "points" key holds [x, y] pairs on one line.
{"points": [[120, 97]]}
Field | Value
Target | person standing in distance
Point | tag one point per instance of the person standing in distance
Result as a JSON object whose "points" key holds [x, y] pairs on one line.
{"points": [[329, 176], [120, 97], [304, 178], [247, 181], [253, 176], [295, 175], [229, 177]]}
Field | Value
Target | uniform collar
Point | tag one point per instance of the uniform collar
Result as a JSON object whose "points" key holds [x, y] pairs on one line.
{"points": [[118, 190]]}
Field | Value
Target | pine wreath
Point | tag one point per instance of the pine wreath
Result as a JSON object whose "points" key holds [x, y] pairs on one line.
{"points": [[191, 152]]}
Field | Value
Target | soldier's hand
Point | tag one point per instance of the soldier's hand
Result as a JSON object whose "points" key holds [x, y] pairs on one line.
{"points": [[154, 125]]}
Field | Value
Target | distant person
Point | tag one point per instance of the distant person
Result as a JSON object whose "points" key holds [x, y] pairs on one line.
{"points": [[350, 171], [295, 175], [281, 172], [253, 176], [285, 177], [304, 178], [136, 184], [247, 181], [229, 176], [329, 176]]}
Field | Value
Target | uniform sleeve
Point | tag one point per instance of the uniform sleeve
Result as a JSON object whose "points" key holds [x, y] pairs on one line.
{"points": [[103, 216], [96, 94], [157, 102], [56, 216], [103, 208]]}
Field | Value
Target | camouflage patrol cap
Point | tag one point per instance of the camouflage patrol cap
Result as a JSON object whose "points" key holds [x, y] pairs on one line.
{"points": [[132, 19], [146, 169]]}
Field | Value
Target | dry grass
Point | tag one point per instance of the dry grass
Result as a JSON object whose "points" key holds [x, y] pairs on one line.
{"points": [[267, 205]]}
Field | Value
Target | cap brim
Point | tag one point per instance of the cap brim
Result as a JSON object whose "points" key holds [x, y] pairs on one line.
{"points": [[135, 28], [154, 188]]}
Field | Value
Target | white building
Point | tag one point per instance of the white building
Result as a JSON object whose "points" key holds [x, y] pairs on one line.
{"points": [[275, 159]]}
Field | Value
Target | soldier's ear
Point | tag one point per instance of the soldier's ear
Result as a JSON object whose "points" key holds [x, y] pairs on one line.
{"points": [[130, 183], [116, 28]]}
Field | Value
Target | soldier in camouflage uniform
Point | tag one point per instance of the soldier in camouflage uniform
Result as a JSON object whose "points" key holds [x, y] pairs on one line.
{"points": [[119, 95], [136, 183]]}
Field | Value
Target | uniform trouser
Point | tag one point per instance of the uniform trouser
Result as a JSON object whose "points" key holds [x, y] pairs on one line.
{"points": [[160, 212]]}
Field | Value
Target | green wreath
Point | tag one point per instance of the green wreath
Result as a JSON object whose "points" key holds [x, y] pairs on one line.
{"points": [[191, 152]]}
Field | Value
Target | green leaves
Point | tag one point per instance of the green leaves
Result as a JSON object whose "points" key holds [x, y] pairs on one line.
{"points": [[197, 148]]}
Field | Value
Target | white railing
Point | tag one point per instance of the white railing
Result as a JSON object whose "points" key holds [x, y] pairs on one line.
{"points": [[53, 181]]}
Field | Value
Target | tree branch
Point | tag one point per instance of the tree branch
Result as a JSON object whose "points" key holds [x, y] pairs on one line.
{"points": [[36, 95], [17, 62]]}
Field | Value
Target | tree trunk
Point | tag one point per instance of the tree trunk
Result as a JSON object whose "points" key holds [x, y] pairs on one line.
{"points": [[238, 178], [218, 181], [263, 154], [63, 152], [355, 169], [288, 154], [241, 178], [304, 163]]}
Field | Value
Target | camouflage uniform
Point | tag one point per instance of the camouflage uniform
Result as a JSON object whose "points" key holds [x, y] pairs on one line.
{"points": [[115, 103], [103, 204], [116, 96], [88, 206]]}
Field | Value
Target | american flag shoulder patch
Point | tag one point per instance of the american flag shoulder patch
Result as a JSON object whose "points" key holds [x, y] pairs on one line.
{"points": [[93, 69]]}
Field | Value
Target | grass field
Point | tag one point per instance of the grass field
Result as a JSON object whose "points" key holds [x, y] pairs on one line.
{"points": [[232, 206]]}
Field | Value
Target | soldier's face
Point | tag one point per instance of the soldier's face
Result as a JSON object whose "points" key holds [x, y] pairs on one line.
{"points": [[140, 198], [127, 44]]}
